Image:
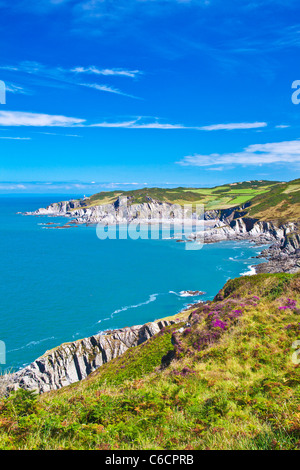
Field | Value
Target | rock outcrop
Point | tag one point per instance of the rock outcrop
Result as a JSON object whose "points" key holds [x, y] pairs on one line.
{"points": [[283, 255], [227, 224], [74, 361], [121, 211]]}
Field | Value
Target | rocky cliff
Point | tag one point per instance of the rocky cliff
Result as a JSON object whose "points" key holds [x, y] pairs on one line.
{"points": [[74, 361], [227, 224], [120, 211]]}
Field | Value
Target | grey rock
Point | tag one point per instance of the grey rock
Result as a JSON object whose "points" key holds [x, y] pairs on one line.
{"points": [[72, 362]]}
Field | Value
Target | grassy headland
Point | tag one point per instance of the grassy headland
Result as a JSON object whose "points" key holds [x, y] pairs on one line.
{"points": [[219, 197], [225, 381], [262, 200]]}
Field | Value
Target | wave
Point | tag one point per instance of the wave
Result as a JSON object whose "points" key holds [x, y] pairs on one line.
{"points": [[104, 319], [251, 272], [32, 343], [237, 257], [185, 293], [152, 298], [179, 294]]}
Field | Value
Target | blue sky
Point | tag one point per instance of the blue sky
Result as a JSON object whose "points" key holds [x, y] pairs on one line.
{"points": [[128, 93]]}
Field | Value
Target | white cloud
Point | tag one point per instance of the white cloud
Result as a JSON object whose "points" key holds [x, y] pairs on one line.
{"points": [[61, 77], [107, 72], [136, 124], [60, 135], [19, 118], [139, 124], [16, 89], [124, 124], [216, 168], [16, 138], [257, 154], [107, 88], [234, 126]]}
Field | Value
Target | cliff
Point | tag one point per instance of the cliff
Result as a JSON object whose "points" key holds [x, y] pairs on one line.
{"points": [[116, 212], [230, 379], [72, 362], [233, 223]]}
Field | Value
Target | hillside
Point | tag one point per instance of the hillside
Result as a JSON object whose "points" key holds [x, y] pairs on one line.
{"points": [[281, 203], [219, 197], [262, 200], [265, 201], [228, 379]]}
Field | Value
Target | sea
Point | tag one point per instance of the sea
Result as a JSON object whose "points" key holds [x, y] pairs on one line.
{"points": [[59, 286]]}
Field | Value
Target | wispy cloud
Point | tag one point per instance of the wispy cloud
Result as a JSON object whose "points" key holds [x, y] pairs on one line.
{"points": [[138, 123], [62, 77], [107, 72], [19, 118], [108, 89], [234, 126], [15, 138], [59, 134], [257, 154], [16, 89]]}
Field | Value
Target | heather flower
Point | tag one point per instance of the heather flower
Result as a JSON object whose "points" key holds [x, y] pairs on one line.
{"points": [[219, 324], [187, 331], [291, 303]]}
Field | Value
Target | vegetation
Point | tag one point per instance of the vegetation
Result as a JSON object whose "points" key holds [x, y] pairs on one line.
{"points": [[281, 203], [226, 380], [220, 197], [263, 200]]}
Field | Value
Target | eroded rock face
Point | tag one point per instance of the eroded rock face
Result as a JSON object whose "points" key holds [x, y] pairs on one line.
{"points": [[72, 362], [117, 212]]}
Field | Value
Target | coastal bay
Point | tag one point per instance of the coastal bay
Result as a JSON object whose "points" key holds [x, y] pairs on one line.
{"points": [[63, 285]]}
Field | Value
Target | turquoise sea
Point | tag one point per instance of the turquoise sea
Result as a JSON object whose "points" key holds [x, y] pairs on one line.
{"points": [[62, 285]]}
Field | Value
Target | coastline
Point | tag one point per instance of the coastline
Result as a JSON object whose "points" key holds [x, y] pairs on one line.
{"points": [[81, 357], [72, 362]]}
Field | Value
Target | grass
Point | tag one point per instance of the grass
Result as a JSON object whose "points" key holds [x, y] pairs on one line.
{"points": [[219, 197], [227, 381], [266, 200], [280, 204]]}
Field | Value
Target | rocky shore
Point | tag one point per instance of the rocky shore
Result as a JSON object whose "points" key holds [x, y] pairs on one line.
{"points": [[283, 255], [72, 362], [118, 212]]}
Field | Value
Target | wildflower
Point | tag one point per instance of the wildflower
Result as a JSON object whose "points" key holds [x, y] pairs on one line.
{"points": [[187, 331], [219, 324]]}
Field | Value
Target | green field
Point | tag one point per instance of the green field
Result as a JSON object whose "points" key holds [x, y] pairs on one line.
{"points": [[268, 200], [219, 197]]}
